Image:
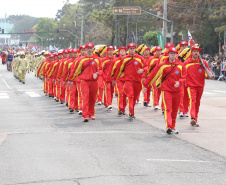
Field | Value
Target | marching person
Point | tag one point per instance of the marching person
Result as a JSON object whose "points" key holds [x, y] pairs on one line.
{"points": [[107, 62], [172, 74], [147, 93], [88, 70], [119, 82], [195, 80], [23, 66], [151, 65], [132, 69]]}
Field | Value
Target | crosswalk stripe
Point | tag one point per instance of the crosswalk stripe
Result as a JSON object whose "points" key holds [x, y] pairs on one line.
{"points": [[32, 94], [4, 96]]}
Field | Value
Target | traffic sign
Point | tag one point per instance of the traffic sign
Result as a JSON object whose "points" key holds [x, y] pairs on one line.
{"points": [[224, 47], [29, 32], [127, 10]]}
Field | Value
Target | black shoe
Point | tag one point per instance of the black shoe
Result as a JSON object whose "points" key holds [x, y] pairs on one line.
{"points": [[57, 100], [71, 110], [23, 82], [145, 104], [20, 81], [131, 117], [80, 112], [86, 120], [120, 113], [169, 131], [67, 104], [50, 95], [116, 95], [123, 113], [163, 111]]}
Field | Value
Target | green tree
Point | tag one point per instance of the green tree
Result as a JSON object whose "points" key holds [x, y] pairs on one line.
{"points": [[150, 38], [46, 29]]}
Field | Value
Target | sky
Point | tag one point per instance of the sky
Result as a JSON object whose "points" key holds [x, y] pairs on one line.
{"points": [[34, 8]]}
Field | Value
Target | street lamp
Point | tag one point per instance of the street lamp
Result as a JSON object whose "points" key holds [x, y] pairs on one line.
{"points": [[61, 39]]}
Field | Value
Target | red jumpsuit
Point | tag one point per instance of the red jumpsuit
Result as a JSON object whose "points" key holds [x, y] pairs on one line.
{"points": [[120, 83], [151, 64], [147, 93], [55, 77], [76, 83], [50, 76], [59, 76], [107, 64], [132, 87], [89, 86], [170, 94], [195, 81]]}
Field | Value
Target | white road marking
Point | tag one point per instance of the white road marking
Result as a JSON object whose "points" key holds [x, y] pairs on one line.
{"points": [[208, 93], [32, 94], [177, 160], [219, 91], [6, 84], [3, 136], [4, 96]]}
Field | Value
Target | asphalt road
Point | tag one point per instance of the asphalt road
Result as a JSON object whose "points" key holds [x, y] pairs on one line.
{"points": [[41, 143]]}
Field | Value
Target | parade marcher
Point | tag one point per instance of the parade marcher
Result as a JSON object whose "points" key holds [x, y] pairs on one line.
{"points": [[75, 81], [73, 54], [132, 68], [14, 63], [109, 89], [55, 80], [195, 81], [23, 67], [88, 70], [9, 61], [147, 93], [62, 64], [3, 57], [100, 53], [119, 82], [184, 96], [151, 65], [172, 74]]}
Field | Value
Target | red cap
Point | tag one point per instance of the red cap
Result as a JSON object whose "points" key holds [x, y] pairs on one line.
{"points": [[158, 48], [51, 55], [172, 49], [169, 45], [147, 48], [47, 54], [56, 54], [131, 45], [122, 47], [75, 50], [110, 47], [196, 48], [65, 51], [82, 47], [183, 43], [89, 45]]}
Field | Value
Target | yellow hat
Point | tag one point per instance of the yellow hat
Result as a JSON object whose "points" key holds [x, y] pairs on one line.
{"points": [[153, 50], [141, 49], [101, 50], [184, 54], [116, 53]]}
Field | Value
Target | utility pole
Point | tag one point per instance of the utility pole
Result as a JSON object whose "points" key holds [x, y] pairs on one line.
{"points": [[128, 27], [164, 29], [81, 43], [116, 18]]}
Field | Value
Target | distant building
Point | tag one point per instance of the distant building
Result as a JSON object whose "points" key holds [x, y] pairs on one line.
{"points": [[5, 38]]}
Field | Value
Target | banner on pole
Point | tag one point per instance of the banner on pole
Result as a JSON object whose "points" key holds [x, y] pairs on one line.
{"points": [[161, 40]]}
